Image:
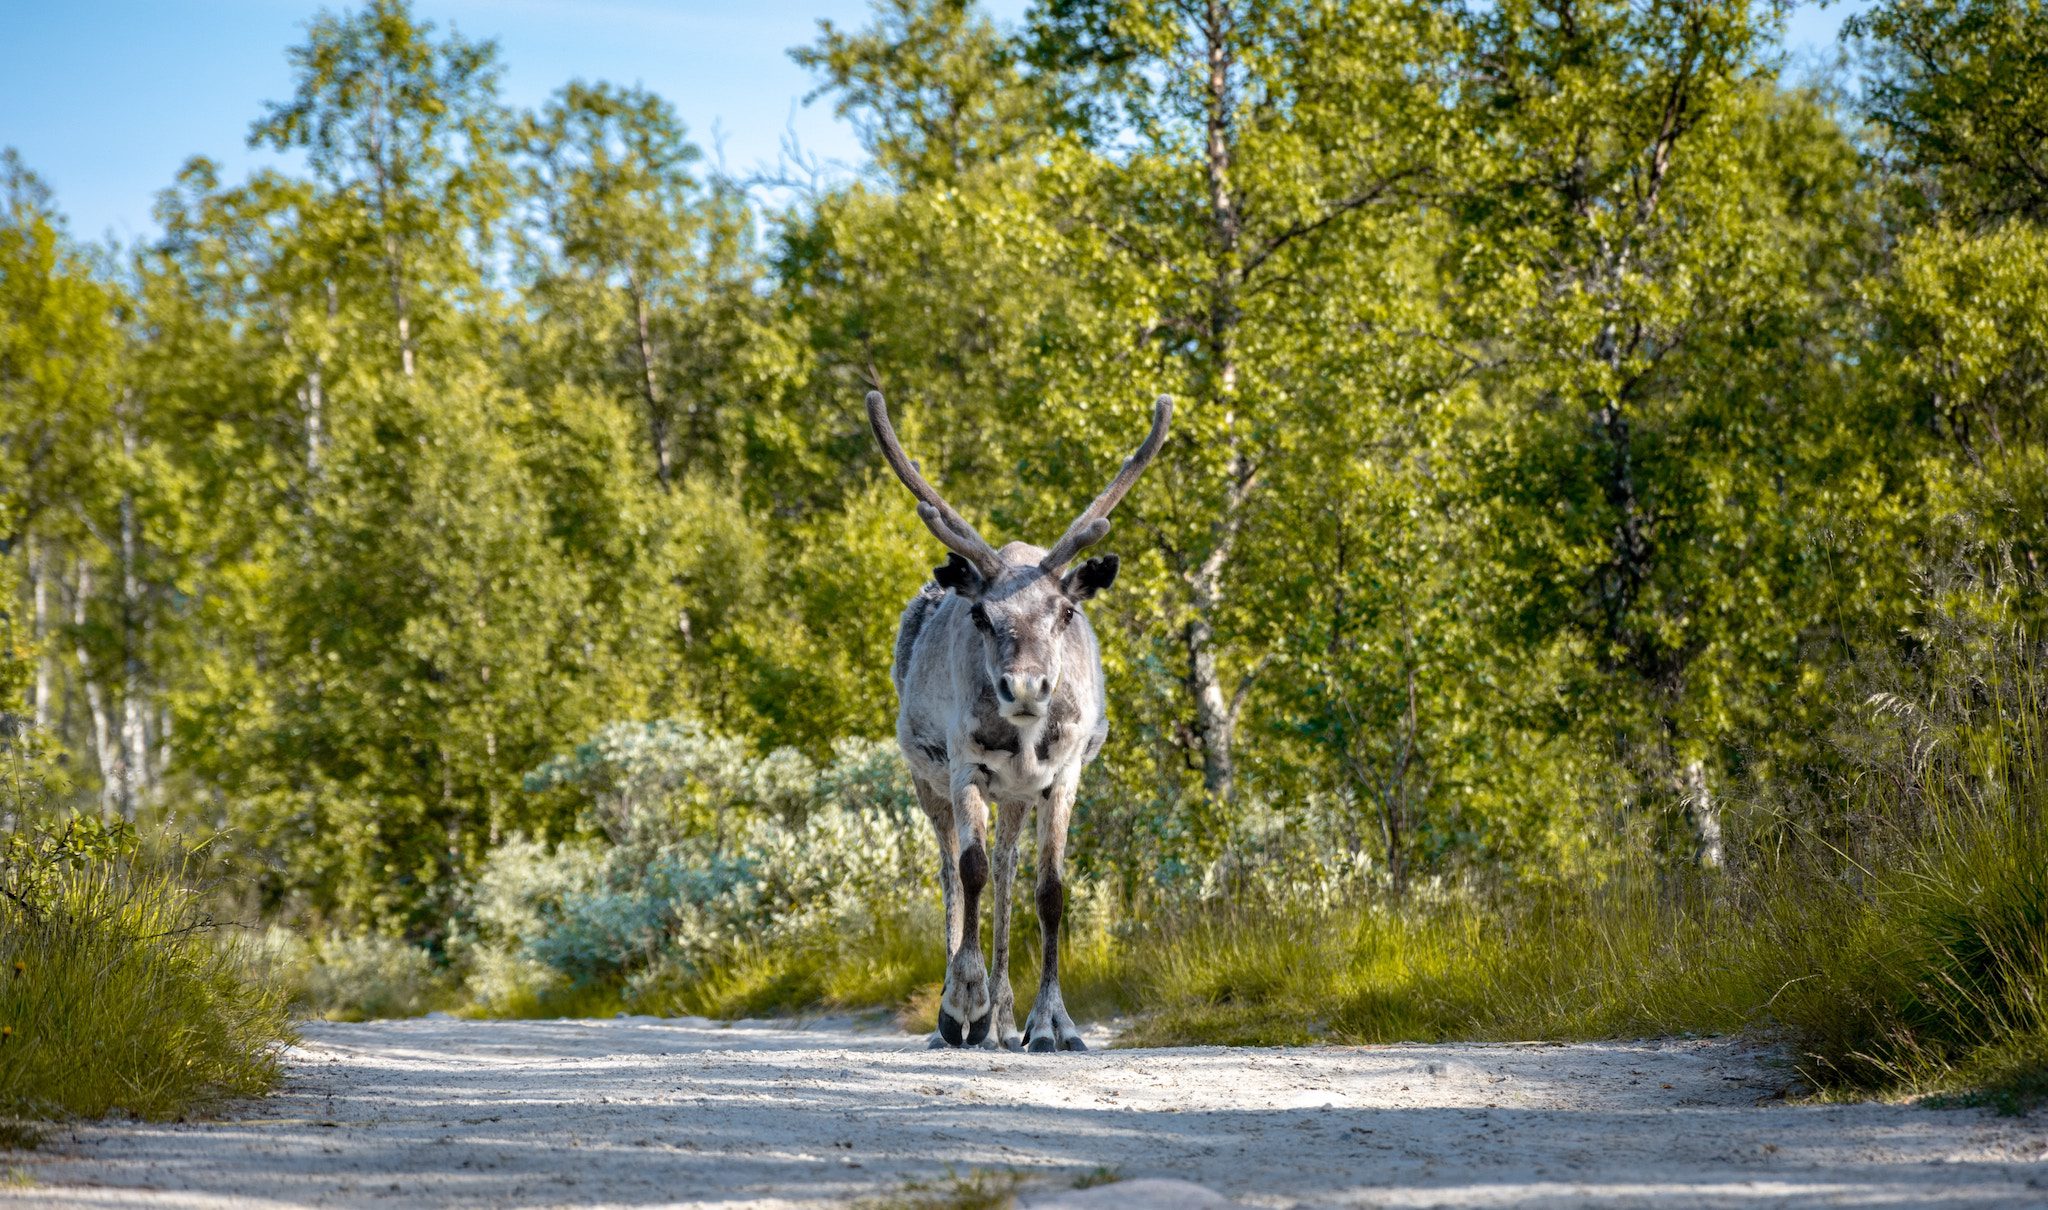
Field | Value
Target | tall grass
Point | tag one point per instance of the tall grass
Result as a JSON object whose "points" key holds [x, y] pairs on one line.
{"points": [[116, 992], [1931, 975], [1899, 943], [1937, 971]]}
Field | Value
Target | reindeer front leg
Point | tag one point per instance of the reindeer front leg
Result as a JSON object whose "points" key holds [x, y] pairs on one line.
{"points": [[1009, 826], [938, 807], [964, 1007], [1049, 1028]]}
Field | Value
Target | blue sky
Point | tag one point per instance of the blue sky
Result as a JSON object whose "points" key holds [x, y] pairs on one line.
{"points": [[106, 98]]}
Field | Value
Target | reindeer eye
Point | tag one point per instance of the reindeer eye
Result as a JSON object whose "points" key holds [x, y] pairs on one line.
{"points": [[1066, 613]]}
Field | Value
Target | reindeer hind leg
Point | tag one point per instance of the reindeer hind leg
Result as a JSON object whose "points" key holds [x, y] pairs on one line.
{"points": [[1009, 827]]}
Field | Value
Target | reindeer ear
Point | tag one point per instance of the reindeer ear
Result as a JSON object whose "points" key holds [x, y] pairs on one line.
{"points": [[1090, 578], [960, 576]]}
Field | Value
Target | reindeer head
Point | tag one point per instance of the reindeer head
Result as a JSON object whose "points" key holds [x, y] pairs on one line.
{"points": [[1023, 601]]}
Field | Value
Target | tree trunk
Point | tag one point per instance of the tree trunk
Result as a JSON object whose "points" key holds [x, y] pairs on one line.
{"points": [[316, 397], [396, 270], [1704, 814], [1215, 716], [314, 400], [394, 259], [39, 633], [106, 753], [163, 743], [134, 728], [650, 389], [1212, 716]]}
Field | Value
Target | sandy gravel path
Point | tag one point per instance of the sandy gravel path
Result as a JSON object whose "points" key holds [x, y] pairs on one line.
{"points": [[637, 1112]]}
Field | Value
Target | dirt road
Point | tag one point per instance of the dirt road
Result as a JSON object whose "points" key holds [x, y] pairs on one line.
{"points": [[637, 1112]]}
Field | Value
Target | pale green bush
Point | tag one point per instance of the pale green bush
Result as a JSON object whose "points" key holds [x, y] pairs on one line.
{"points": [[649, 781], [710, 853], [350, 977]]}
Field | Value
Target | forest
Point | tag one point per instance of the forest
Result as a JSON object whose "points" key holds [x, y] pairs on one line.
{"points": [[1593, 584]]}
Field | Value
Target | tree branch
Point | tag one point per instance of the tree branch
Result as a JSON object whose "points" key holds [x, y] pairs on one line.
{"points": [[1357, 200]]}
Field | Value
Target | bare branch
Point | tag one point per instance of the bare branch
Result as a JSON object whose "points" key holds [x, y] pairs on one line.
{"points": [[1364, 197], [1244, 686]]}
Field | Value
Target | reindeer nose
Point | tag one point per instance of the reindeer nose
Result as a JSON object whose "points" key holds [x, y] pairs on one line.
{"points": [[1025, 688]]}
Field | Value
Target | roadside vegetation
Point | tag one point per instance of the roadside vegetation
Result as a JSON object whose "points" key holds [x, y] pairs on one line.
{"points": [[1594, 585], [1904, 951], [118, 994]]}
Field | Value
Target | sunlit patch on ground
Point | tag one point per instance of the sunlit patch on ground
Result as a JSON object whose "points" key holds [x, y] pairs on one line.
{"points": [[640, 1110]]}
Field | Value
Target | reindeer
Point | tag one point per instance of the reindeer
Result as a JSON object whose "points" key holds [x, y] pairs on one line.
{"points": [[999, 682]]}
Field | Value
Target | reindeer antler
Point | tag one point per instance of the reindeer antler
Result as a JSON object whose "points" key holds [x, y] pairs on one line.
{"points": [[1092, 526], [947, 525]]}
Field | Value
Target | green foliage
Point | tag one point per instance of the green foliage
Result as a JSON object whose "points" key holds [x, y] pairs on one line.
{"points": [[1916, 959], [117, 993], [934, 88], [1955, 87], [1961, 358], [1569, 419]]}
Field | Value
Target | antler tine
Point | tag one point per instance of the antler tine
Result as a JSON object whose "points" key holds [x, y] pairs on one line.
{"points": [[1092, 526], [947, 525]]}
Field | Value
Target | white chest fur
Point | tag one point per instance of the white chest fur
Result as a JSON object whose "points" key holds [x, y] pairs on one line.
{"points": [[1018, 771]]}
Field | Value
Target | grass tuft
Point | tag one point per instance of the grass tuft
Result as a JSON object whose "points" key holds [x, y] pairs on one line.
{"points": [[979, 1189], [1097, 1176], [117, 994]]}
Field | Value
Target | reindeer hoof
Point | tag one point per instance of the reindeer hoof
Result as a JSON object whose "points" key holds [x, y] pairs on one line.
{"points": [[977, 1029], [949, 1029], [1043, 1046], [1075, 1043]]}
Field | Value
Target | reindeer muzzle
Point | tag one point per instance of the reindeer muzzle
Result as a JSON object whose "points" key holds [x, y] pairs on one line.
{"points": [[1024, 692]]}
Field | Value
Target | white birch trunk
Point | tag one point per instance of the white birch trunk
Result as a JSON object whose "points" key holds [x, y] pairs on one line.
{"points": [[134, 728], [39, 633], [1705, 816], [106, 753]]}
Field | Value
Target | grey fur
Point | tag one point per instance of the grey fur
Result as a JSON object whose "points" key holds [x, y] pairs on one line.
{"points": [[1001, 704], [944, 687], [914, 615]]}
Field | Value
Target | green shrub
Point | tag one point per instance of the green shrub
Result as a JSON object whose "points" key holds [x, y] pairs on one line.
{"points": [[744, 884], [344, 977], [647, 918], [116, 992]]}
